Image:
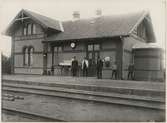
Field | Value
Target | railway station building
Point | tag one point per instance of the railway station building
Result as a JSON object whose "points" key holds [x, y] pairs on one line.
{"points": [[39, 42]]}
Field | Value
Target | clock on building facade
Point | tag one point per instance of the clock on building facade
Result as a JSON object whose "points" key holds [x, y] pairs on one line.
{"points": [[73, 45]]}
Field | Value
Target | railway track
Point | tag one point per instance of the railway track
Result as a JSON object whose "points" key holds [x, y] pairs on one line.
{"points": [[151, 100], [24, 116], [103, 97], [134, 90]]}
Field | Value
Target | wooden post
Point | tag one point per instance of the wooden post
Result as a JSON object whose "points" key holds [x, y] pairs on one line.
{"points": [[45, 50], [12, 55], [119, 58], [52, 50]]}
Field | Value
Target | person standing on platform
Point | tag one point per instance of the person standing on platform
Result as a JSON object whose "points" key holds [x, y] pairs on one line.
{"points": [[52, 70], [74, 66], [114, 71], [85, 65], [99, 68], [130, 71]]}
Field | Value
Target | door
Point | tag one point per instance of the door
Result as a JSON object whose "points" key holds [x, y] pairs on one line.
{"points": [[93, 52], [57, 51]]}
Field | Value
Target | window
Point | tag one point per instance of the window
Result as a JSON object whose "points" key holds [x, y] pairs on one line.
{"points": [[58, 49], [141, 31], [24, 31], [33, 29], [57, 56], [90, 47], [25, 56], [93, 47], [29, 29], [96, 47], [31, 50], [90, 55], [28, 55]]}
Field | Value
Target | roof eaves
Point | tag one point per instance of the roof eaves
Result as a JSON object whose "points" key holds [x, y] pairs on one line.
{"points": [[61, 26], [51, 40], [7, 32]]}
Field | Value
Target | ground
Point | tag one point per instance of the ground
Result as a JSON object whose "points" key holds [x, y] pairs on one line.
{"points": [[70, 109]]}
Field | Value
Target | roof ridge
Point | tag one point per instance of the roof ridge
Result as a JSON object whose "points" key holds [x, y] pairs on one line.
{"points": [[114, 15]]}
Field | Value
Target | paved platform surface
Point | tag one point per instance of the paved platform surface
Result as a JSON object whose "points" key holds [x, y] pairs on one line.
{"points": [[159, 86]]}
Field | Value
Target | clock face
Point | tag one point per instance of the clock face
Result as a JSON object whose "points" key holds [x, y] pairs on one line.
{"points": [[73, 45]]}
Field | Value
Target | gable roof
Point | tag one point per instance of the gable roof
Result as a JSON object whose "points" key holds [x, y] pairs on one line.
{"points": [[104, 26], [99, 27], [44, 21]]}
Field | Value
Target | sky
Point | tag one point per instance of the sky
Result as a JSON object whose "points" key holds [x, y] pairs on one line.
{"points": [[63, 9]]}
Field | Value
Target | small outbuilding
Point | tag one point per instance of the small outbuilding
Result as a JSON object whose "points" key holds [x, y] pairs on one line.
{"points": [[148, 62]]}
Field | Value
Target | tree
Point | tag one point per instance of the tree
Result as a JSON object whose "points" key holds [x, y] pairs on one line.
{"points": [[6, 64]]}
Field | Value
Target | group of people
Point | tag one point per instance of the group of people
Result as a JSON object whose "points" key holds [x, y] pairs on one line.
{"points": [[99, 67], [85, 66]]}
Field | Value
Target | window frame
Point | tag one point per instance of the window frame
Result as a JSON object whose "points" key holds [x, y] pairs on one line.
{"points": [[142, 31], [24, 30], [29, 28], [28, 52], [34, 31], [25, 56], [30, 57], [93, 47]]}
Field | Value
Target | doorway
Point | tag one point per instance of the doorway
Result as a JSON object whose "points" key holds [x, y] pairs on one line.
{"points": [[93, 52]]}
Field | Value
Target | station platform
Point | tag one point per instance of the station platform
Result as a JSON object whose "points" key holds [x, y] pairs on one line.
{"points": [[159, 86]]}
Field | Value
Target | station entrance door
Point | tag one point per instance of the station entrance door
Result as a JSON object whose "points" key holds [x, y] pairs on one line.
{"points": [[93, 51]]}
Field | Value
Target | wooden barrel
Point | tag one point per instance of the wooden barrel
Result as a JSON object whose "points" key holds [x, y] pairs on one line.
{"points": [[148, 64]]}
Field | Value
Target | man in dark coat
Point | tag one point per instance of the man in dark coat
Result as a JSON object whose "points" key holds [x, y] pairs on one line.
{"points": [[130, 71], [74, 66], [99, 68], [85, 65], [52, 70], [114, 70]]}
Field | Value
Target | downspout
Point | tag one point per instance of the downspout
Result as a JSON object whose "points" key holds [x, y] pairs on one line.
{"points": [[52, 51], [12, 54], [122, 56], [45, 50]]}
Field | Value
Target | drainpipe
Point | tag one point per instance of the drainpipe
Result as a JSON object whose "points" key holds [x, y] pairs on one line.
{"points": [[121, 56], [45, 49], [12, 55]]}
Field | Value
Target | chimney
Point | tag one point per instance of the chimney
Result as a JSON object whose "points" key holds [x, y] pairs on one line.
{"points": [[76, 15], [98, 12]]}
